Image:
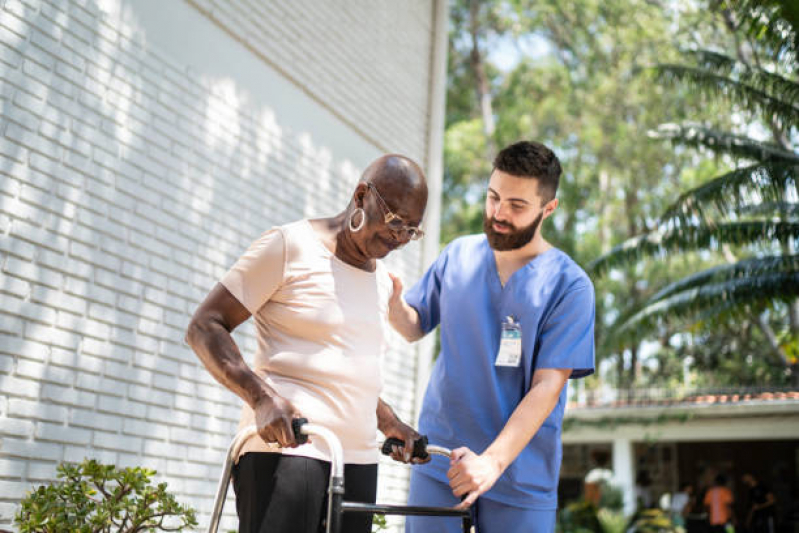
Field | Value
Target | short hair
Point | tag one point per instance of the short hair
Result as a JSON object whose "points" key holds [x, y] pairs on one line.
{"points": [[530, 159]]}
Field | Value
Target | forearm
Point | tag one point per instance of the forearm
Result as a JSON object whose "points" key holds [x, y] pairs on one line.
{"points": [[405, 320], [525, 421], [385, 416], [219, 354]]}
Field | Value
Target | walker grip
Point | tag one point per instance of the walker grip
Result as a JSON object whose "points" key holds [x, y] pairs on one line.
{"points": [[296, 427], [419, 446]]}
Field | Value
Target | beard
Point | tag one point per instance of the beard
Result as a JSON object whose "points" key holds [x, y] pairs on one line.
{"points": [[512, 240]]}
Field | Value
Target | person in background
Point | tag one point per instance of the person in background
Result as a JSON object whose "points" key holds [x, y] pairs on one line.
{"points": [[718, 502], [643, 490], [761, 515], [682, 504], [318, 293], [598, 477]]}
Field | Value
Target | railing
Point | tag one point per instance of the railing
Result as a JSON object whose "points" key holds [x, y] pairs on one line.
{"points": [[681, 395]]}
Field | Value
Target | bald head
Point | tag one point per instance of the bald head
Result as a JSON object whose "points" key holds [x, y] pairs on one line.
{"points": [[395, 168], [401, 183]]}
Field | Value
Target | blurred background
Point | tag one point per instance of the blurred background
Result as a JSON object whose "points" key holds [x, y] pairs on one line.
{"points": [[146, 143]]}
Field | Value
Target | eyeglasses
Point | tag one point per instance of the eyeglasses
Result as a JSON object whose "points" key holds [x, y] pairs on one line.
{"points": [[395, 222]]}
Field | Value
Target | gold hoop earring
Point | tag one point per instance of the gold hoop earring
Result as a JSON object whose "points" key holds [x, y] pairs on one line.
{"points": [[356, 229]]}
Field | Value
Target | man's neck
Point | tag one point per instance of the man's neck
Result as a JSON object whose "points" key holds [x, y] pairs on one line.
{"points": [[526, 253], [510, 261]]}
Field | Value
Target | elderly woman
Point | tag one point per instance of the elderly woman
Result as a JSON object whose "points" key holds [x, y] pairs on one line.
{"points": [[319, 296]]}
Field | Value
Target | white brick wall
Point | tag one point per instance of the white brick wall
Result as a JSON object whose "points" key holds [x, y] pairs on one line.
{"points": [[370, 65], [133, 173]]}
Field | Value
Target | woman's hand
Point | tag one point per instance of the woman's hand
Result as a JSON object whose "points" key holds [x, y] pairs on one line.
{"points": [[408, 435], [391, 426], [273, 416]]}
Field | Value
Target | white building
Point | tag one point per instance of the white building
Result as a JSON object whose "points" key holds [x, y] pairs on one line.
{"points": [[677, 437], [143, 145]]}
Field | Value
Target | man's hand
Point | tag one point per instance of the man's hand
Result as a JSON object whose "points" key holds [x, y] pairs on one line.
{"points": [[471, 475], [402, 316], [273, 416], [395, 302]]}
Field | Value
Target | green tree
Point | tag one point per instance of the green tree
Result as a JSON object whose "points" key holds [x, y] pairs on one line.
{"points": [[574, 88], [747, 217]]}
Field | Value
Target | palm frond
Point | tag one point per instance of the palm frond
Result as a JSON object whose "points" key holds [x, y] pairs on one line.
{"points": [[781, 210], [774, 84], [748, 95], [740, 188], [773, 22], [746, 268], [713, 298], [722, 142], [688, 238]]}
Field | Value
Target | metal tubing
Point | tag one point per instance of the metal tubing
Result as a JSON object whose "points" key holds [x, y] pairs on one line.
{"points": [[336, 464], [336, 506], [224, 480], [406, 510]]}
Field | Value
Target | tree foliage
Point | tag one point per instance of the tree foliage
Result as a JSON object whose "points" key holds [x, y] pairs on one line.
{"points": [[747, 211], [721, 190]]}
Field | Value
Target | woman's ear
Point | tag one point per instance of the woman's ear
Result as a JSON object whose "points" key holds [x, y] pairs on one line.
{"points": [[359, 194]]}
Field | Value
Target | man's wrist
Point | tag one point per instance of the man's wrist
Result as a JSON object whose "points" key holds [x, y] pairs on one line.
{"points": [[499, 461]]}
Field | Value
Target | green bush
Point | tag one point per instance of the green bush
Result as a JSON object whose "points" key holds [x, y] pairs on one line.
{"points": [[652, 521], [96, 498]]}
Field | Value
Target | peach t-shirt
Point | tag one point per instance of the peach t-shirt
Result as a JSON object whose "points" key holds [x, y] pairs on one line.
{"points": [[719, 499], [320, 325]]}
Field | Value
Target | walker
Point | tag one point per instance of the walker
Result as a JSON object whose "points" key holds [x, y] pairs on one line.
{"points": [[336, 505]]}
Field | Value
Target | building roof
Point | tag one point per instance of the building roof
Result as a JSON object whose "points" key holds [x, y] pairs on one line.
{"points": [[626, 398]]}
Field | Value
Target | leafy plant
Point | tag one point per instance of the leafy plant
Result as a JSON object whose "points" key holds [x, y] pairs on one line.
{"points": [[95, 498], [651, 521], [379, 523]]}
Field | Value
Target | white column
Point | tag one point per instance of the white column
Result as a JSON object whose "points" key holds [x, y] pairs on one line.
{"points": [[624, 472], [435, 173]]}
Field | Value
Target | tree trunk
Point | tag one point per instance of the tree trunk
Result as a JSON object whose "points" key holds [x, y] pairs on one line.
{"points": [[771, 337], [604, 212], [481, 80]]}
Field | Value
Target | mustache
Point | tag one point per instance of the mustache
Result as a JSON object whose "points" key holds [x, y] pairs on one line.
{"points": [[502, 224]]}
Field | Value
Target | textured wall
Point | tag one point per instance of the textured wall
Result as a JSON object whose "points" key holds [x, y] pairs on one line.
{"points": [[133, 173], [369, 61]]}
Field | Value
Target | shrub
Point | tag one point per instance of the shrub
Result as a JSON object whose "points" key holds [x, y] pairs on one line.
{"points": [[96, 498]]}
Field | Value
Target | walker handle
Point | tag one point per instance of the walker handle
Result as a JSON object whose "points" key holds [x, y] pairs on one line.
{"points": [[419, 446], [296, 427]]}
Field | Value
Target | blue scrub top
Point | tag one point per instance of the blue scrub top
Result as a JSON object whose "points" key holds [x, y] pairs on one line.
{"points": [[469, 399]]}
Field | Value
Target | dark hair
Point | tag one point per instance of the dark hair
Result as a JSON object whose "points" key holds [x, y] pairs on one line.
{"points": [[721, 480], [600, 457], [530, 159]]}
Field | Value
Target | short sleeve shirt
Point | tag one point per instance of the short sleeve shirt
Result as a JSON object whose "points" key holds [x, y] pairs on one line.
{"points": [[718, 499], [469, 399], [320, 326]]}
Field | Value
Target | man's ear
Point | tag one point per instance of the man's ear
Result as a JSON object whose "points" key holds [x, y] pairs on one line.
{"points": [[550, 207]]}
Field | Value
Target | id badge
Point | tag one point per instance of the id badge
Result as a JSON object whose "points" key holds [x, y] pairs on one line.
{"points": [[510, 345]]}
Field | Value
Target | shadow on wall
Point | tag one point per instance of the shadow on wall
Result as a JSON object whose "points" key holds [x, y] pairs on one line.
{"points": [[128, 186]]}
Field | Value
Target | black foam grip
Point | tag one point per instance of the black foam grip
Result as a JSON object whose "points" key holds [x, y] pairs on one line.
{"points": [[296, 424], [419, 446]]}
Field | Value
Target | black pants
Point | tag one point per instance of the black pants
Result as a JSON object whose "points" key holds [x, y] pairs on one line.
{"points": [[278, 493]]}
